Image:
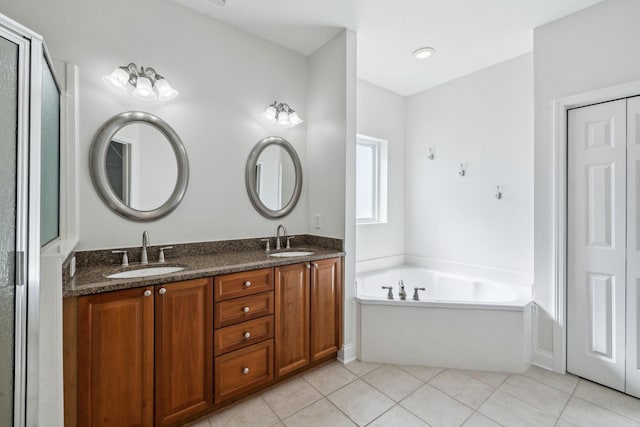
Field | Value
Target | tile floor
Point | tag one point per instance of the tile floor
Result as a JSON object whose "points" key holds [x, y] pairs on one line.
{"points": [[368, 394]]}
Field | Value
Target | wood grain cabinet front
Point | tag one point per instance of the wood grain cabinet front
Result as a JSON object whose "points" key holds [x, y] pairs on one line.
{"points": [[242, 335], [241, 284], [238, 310], [242, 370]]}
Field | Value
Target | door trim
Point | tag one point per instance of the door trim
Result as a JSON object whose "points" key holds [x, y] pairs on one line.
{"points": [[558, 360]]}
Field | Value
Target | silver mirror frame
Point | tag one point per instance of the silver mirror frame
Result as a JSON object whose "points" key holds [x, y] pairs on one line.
{"points": [[250, 177], [98, 167]]}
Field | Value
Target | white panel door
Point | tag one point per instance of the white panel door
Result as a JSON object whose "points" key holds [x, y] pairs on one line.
{"points": [[633, 245], [596, 242]]}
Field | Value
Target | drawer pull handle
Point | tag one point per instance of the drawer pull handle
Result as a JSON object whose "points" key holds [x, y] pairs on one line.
{"points": [[147, 293], [245, 371], [247, 335], [247, 284], [246, 309]]}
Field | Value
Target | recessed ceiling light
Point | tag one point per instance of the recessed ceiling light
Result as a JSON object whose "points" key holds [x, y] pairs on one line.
{"points": [[423, 52]]}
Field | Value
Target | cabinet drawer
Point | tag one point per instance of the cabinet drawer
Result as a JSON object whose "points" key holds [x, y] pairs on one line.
{"points": [[240, 309], [242, 284], [243, 369], [243, 334]]}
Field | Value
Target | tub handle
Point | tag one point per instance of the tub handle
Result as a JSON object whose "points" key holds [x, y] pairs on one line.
{"points": [[416, 297], [390, 293]]}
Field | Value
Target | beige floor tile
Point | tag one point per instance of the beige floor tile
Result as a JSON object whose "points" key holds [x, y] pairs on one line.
{"points": [[566, 383], [436, 408], [563, 423], [586, 414], [330, 378], [541, 396], [479, 420], [320, 414], [290, 397], [361, 402], [612, 400], [254, 413], [423, 373], [398, 417], [393, 382], [462, 387], [494, 379], [509, 411], [203, 423], [361, 368]]}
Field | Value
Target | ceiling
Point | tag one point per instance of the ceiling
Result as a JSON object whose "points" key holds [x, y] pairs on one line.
{"points": [[468, 35]]}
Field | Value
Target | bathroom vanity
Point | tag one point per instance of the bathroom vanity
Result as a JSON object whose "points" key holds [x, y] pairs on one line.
{"points": [[164, 350]]}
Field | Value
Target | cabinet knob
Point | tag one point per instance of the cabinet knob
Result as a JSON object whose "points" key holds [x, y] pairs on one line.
{"points": [[308, 266], [246, 309], [247, 284], [247, 335], [315, 265], [245, 371], [162, 291], [147, 293]]}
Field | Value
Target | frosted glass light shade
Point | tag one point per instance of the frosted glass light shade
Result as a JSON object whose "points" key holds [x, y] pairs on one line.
{"points": [[117, 80], [144, 90], [165, 91], [270, 113], [283, 119], [294, 119]]}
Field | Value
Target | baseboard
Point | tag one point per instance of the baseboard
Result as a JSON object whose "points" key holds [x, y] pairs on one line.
{"points": [[347, 353]]}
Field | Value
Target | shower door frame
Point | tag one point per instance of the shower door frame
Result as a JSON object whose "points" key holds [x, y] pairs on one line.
{"points": [[557, 361], [31, 58]]}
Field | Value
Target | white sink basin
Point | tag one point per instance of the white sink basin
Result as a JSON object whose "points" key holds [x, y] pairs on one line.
{"points": [[144, 272], [291, 254]]}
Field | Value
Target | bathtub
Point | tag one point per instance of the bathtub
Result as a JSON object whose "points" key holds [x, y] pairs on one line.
{"points": [[459, 322]]}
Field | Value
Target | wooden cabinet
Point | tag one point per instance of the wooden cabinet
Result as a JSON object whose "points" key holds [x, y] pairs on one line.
{"points": [[308, 313], [243, 337], [145, 348], [115, 358], [183, 350]]}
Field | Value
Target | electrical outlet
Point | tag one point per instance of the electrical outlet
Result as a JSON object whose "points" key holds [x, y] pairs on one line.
{"points": [[316, 221]]}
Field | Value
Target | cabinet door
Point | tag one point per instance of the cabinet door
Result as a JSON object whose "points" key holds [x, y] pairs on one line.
{"points": [[292, 317], [326, 308], [115, 359], [184, 349]]}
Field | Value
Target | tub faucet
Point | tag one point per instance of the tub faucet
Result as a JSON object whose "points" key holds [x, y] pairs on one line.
{"points": [[284, 234], [390, 293], [402, 294], [416, 297], [144, 259]]}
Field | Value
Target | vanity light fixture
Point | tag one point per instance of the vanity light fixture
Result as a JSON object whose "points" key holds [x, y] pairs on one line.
{"points": [[147, 84], [282, 115], [423, 52]]}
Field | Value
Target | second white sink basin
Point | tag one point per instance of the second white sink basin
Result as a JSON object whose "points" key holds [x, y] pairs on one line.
{"points": [[144, 272], [291, 254]]}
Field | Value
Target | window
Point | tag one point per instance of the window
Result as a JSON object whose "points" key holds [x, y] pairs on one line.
{"points": [[371, 180]]}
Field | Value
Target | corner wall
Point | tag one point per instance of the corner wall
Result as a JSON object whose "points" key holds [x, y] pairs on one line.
{"points": [[485, 121], [592, 49]]}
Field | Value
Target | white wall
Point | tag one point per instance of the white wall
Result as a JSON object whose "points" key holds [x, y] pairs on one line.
{"points": [[381, 114], [331, 131], [225, 77], [485, 121], [591, 49]]}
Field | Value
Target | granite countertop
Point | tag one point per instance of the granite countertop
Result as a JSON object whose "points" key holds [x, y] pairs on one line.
{"points": [[92, 279]]}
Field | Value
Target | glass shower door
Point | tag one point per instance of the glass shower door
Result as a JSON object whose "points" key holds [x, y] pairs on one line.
{"points": [[8, 173]]}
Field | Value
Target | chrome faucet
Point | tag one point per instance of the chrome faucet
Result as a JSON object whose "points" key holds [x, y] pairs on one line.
{"points": [[402, 294], [144, 259], [284, 234]]}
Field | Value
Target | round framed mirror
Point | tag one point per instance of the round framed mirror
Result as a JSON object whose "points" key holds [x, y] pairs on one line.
{"points": [[273, 177], [139, 166]]}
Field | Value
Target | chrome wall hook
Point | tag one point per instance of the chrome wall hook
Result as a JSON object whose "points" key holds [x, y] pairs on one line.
{"points": [[462, 172], [498, 194], [431, 155]]}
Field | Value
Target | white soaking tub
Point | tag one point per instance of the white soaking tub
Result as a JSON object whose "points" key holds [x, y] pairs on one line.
{"points": [[459, 322]]}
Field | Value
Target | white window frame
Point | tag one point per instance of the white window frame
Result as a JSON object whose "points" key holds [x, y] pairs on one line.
{"points": [[379, 186]]}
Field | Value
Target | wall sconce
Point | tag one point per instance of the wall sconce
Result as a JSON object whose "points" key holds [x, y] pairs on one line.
{"points": [[147, 84], [282, 115]]}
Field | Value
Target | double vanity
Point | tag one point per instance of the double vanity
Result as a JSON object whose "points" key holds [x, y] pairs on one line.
{"points": [[229, 320]]}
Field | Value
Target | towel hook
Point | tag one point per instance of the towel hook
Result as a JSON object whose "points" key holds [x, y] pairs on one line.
{"points": [[462, 172], [431, 156], [498, 194]]}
